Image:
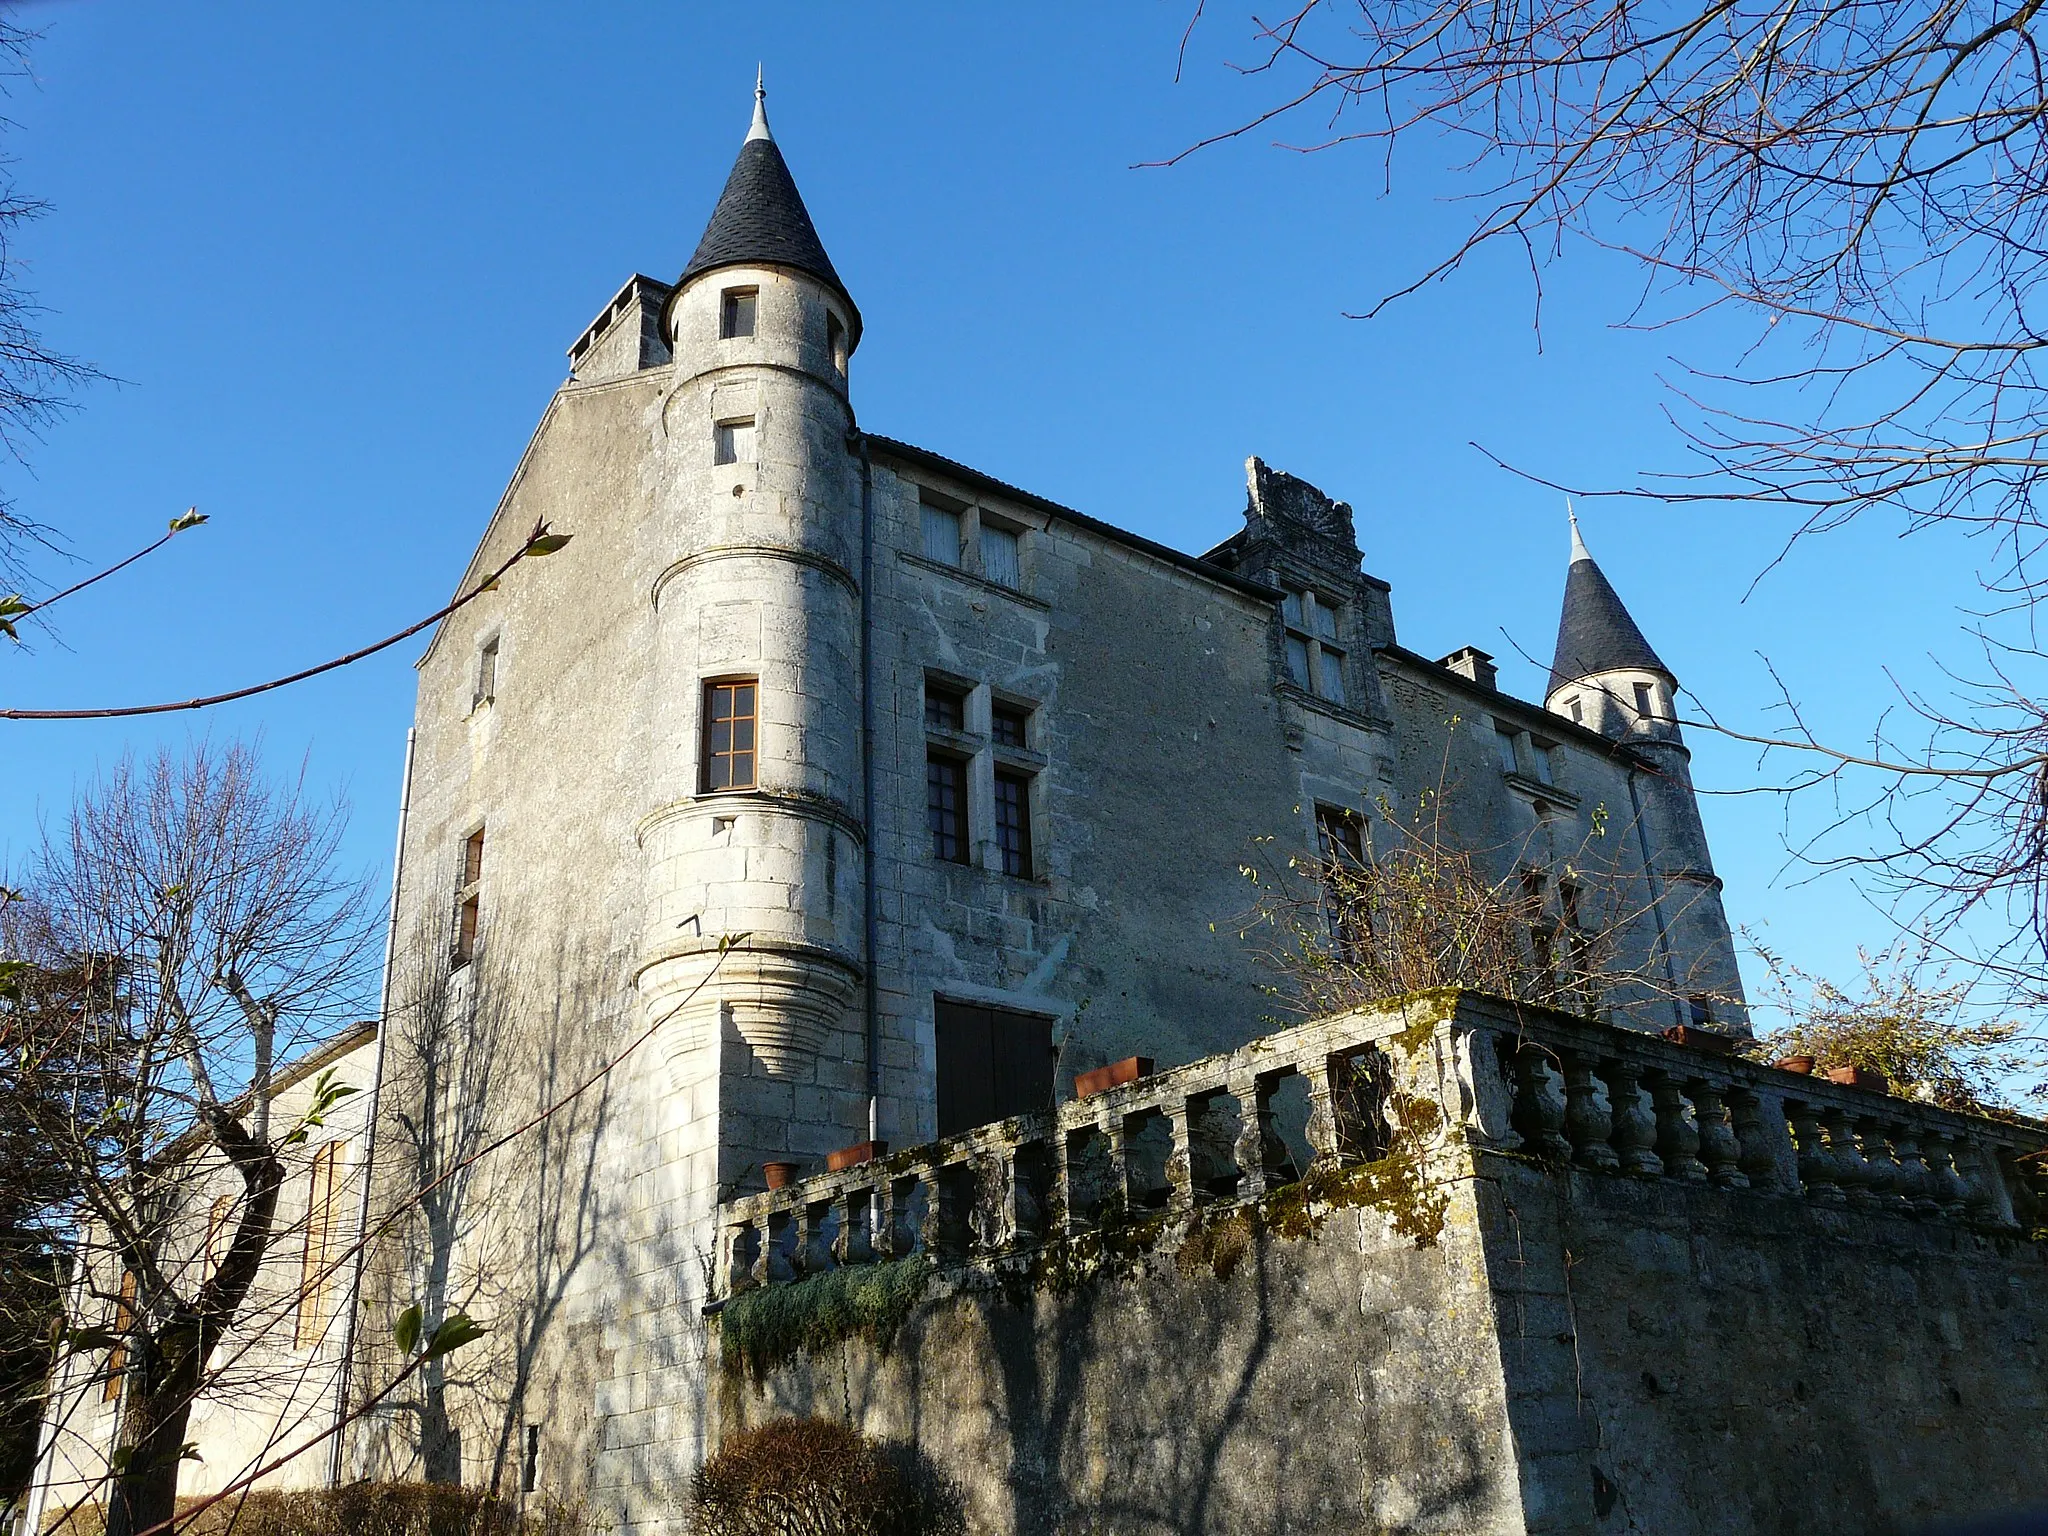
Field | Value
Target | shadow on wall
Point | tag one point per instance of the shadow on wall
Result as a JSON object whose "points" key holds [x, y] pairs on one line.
{"points": [[1187, 1405], [498, 1233]]}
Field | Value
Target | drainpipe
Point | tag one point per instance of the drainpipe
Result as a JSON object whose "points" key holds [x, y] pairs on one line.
{"points": [[869, 904], [1635, 805], [355, 1284]]}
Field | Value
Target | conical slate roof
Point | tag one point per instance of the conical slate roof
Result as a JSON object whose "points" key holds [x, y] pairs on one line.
{"points": [[1595, 633], [761, 220]]}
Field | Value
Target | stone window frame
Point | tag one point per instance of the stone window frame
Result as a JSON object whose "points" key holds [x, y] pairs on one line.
{"points": [[469, 904], [707, 696], [739, 306], [973, 517], [490, 658], [983, 760], [1302, 623], [728, 447]]}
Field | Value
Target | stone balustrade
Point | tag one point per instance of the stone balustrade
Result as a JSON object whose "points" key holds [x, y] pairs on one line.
{"points": [[1448, 1078]]}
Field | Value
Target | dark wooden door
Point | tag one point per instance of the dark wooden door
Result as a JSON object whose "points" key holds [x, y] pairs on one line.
{"points": [[993, 1063]]}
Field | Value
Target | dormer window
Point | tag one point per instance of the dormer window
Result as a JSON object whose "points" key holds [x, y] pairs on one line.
{"points": [[736, 312], [1315, 662], [733, 441]]}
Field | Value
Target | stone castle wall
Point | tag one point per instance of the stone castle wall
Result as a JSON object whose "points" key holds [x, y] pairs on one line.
{"points": [[1604, 1283]]}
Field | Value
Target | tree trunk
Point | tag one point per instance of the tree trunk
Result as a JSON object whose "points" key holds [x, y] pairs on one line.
{"points": [[163, 1377]]}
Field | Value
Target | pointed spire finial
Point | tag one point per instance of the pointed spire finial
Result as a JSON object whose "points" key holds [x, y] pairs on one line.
{"points": [[759, 129], [1579, 551]]}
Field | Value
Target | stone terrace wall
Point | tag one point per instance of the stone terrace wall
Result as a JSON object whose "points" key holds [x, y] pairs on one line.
{"points": [[1511, 1272]]}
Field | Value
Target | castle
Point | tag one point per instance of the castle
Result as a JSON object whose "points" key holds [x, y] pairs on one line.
{"points": [[876, 786], [826, 793]]}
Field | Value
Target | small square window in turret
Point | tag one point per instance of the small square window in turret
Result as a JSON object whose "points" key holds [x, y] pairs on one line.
{"points": [[733, 442], [736, 312]]}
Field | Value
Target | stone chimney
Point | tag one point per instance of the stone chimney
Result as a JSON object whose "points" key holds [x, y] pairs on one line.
{"points": [[1470, 661]]}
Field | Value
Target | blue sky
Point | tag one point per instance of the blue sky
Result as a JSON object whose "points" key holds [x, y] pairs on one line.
{"points": [[336, 256]]}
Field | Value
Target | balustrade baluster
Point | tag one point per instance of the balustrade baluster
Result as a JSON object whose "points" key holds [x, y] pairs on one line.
{"points": [[1027, 1211], [1180, 1164], [1816, 1163], [1539, 1104], [1254, 1135], [1719, 1149], [1116, 1140], [1986, 1201], [1949, 1189], [741, 1253], [1851, 1172], [1324, 1143], [1588, 1123], [1678, 1138], [1873, 1140], [1635, 1127], [1762, 1143], [814, 1237], [1915, 1179], [773, 1267]]}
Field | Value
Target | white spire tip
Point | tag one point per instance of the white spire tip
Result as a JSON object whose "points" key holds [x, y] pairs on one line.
{"points": [[1579, 551], [759, 127]]}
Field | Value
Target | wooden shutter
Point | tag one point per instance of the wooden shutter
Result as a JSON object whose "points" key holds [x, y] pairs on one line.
{"points": [[993, 1063]]}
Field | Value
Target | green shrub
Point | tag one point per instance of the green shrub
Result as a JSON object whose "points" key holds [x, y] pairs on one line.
{"points": [[811, 1477]]}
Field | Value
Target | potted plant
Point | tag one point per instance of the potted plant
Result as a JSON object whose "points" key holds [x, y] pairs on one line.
{"points": [[780, 1175]]}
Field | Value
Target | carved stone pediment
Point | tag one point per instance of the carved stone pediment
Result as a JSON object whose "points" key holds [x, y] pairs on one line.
{"points": [[1295, 506]]}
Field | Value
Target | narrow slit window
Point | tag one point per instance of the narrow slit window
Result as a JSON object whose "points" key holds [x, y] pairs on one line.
{"points": [[835, 343], [733, 441], [729, 726], [945, 780], [999, 558], [469, 897], [486, 673], [1577, 710], [1013, 822], [529, 1463], [1645, 701], [941, 534], [736, 313]]}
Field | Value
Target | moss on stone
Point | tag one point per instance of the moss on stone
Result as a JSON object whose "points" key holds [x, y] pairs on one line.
{"points": [[762, 1328]]}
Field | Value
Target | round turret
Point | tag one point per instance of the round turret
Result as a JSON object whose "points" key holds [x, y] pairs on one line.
{"points": [[754, 815]]}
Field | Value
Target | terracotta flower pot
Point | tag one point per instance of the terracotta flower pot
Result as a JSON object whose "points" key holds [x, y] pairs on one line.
{"points": [[1803, 1065], [853, 1156], [1115, 1075], [780, 1175], [1858, 1077]]}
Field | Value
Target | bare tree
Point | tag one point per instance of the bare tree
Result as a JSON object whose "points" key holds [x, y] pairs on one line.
{"points": [[1867, 187], [200, 909], [1412, 907]]}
